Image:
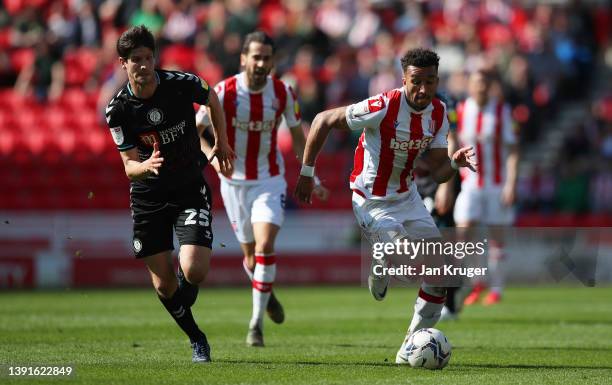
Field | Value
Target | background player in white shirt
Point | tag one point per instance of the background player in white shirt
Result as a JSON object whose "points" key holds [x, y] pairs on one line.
{"points": [[397, 127], [254, 191], [486, 198]]}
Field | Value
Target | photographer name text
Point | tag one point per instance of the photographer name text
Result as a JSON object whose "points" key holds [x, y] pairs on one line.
{"points": [[424, 271]]}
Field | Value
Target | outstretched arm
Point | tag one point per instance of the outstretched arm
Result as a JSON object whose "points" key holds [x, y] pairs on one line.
{"points": [[135, 169], [221, 150], [207, 142], [441, 165], [298, 142], [319, 131]]}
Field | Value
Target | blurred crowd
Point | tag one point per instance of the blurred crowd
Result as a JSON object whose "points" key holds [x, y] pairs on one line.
{"points": [[581, 179], [338, 52]]}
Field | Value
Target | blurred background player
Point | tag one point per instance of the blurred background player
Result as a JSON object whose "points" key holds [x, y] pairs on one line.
{"points": [[397, 126], [486, 198], [254, 191], [152, 122]]}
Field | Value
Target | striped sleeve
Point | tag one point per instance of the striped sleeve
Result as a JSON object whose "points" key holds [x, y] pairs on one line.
{"points": [[368, 113], [439, 116], [292, 113]]}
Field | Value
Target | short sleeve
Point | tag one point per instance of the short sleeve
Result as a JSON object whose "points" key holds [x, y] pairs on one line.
{"points": [[202, 116], [199, 89], [509, 135], [196, 88], [292, 113], [441, 138], [120, 132], [368, 113]]}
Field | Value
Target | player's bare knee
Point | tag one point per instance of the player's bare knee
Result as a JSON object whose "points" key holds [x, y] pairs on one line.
{"points": [[196, 274]]}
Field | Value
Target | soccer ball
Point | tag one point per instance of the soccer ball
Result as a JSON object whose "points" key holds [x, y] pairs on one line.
{"points": [[425, 348]]}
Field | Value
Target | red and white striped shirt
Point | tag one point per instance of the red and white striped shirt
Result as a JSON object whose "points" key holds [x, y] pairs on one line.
{"points": [[489, 130], [252, 121], [394, 135]]}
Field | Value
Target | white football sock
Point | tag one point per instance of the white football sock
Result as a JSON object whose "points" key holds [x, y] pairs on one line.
{"points": [[427, 307], [263, 278]]}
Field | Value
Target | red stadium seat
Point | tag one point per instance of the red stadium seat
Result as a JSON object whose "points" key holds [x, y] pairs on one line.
{"points": [[35, 140], [7, 120], [97, 140], [20, 153], [14, 101], [56, 117], [79, 66], [5, 38], [178, 55], [21, 58], [8, 138], [86, 120], [92, 100], [73, 100], [65, 140]]}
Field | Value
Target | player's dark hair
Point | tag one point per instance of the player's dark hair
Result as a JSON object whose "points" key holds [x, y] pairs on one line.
{"points": [[420, 57], [257, 37], [135, 37]]}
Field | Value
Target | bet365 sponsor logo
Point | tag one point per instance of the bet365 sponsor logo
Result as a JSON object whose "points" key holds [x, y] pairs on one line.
{"points": [[259, 125], [412, 144]]}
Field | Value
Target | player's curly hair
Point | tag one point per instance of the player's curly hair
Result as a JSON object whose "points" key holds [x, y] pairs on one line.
{"points": [[420, 57], [257, 37], [135, 37]]}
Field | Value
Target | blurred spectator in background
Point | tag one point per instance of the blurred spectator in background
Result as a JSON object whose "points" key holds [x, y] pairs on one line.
{"points": [[44, 77], [86, 30], [148, 15], [28, 28], [180, 26]]}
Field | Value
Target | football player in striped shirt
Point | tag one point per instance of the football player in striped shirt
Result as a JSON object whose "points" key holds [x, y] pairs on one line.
{"points": [[397, 126], [486, 198], [255, 103]]}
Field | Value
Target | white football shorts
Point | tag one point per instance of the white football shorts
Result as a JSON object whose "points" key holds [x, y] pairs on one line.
{"points": [[387, 221], [482, 206], [246, 204]]}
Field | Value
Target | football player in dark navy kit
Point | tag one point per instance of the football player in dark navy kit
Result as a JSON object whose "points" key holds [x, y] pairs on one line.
{"points": [[152, 121]]}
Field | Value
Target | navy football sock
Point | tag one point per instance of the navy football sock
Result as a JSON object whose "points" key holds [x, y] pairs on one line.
{"points": [[181, 313]]}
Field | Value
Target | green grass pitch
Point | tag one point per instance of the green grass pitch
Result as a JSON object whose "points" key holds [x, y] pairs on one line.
{"points": [[339, 335]]}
